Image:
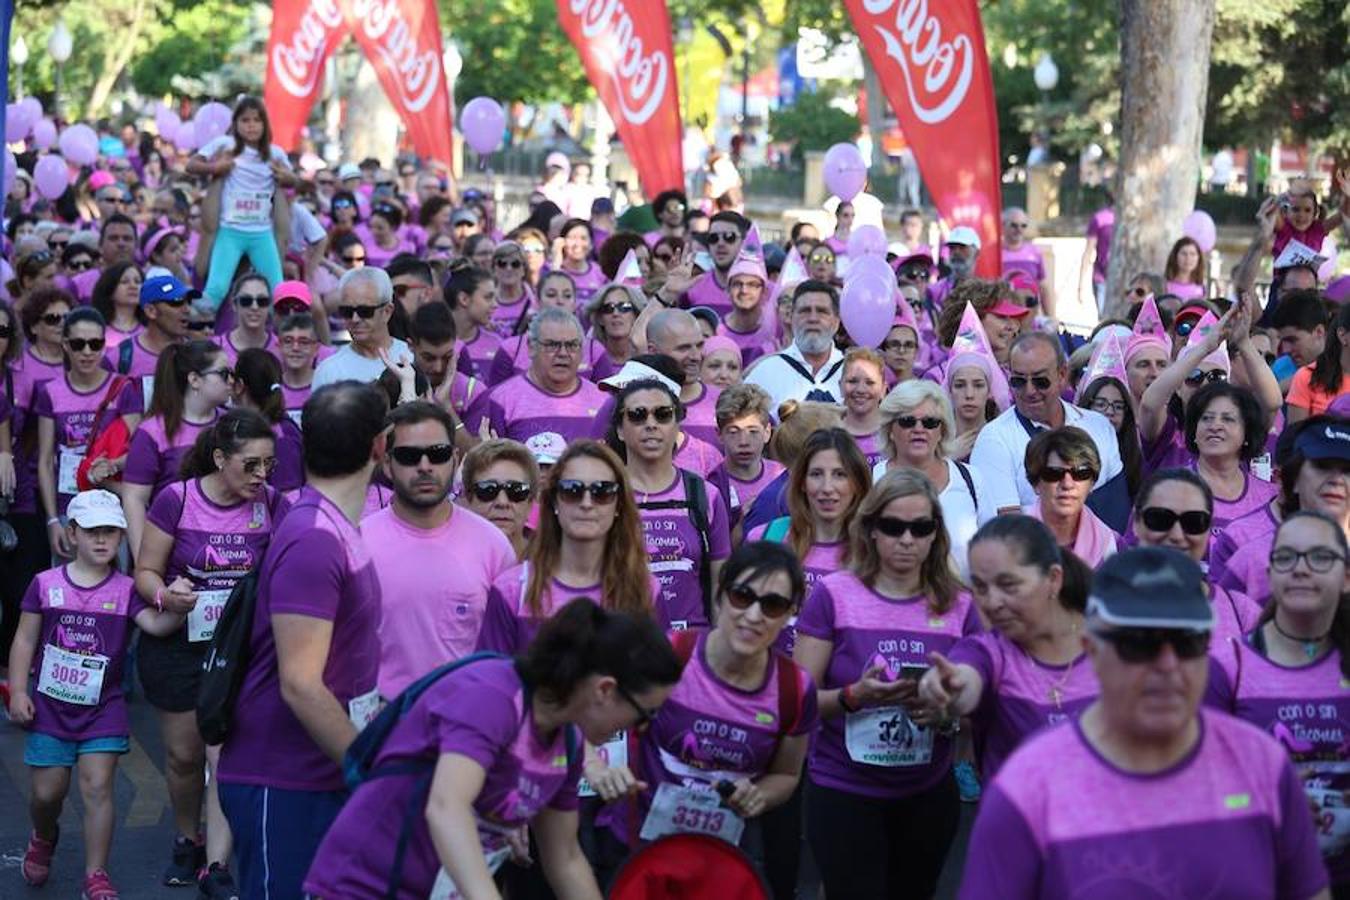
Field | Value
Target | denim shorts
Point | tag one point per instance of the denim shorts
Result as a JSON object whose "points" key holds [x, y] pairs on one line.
{"points": [[44, 751]]}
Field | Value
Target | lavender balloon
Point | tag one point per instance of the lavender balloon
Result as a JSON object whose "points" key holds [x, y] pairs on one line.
{"points": [[17, 122], [51, 176], [845, 171], [44, 134], [483, 123], [867, 309], [866, 240], [1199, 227], [79, 144]]}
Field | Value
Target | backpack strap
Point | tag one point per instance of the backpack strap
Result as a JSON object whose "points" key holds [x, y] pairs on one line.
{"points": [[789, 696], [696, 495], [970, 483], [124, 352], [777, 530], [683, 643], [115, 386]]}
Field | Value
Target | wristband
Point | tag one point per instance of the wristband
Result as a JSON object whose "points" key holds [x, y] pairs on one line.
{"points": [[54, 520], [846, 699]]}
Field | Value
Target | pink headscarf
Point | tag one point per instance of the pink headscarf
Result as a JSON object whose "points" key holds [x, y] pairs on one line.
{"points": [[718, 342]]}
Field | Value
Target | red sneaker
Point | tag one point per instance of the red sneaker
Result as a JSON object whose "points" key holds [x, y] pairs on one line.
{"points": [[37, 859], [97, 886]]}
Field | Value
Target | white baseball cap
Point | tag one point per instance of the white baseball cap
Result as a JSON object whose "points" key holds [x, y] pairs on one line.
{"points": [[96, 509], [347, 171], [636, 371], [965, 236]]}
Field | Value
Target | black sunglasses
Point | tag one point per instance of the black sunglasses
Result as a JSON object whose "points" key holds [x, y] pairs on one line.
{"points": [[509, 264], [53, 318], [1039, 382], [915, 273], [80, 264], [200, 326], [602, 492], [892, 527], [177, 303], [645, 715], [226, 374], [1200, 376], [932, 423], [487, 490], [721, 237], [6, 332], [1140, 292], [638, 415], [1193, 522], [353, 260], [775, 606], [262, 301], [610, 309], [436, 454], [1142, 645], [1055, 474], [346, 311], [79, 345]]}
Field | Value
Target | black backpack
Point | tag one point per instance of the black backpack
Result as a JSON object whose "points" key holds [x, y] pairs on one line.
{"points": [[227, 660], [696, 501]]}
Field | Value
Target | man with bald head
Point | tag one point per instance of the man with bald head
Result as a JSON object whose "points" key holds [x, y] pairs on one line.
{"points": [[675, 333]]}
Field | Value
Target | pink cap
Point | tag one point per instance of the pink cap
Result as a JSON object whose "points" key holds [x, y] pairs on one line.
{"points": [[292, 290], [630, 271], [1219, 356], [1021, 281], [1009, 310], [1148, 329], [748, 264], [794, 271], [971, 347], [718, 342], [1108, 358], [100, 179]]}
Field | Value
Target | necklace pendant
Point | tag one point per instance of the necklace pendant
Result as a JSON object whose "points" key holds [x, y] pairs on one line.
{"points": [[1310, 649], [1056, 697]]}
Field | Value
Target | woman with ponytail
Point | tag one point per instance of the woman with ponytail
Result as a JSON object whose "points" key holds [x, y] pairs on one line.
{"points": [[503, 738], [257, 386], [201, 535], [192, 381]]}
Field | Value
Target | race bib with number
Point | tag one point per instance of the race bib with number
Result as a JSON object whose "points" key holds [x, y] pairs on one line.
{"points": [[202, 618], [68, 463], [72, 677], [682, 810], [249, 208], [885, 736], [1332, 820], [444, 888], [363, 708], [614, 752]]}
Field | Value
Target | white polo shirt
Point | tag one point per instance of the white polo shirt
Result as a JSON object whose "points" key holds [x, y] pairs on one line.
{"points": [[348, 365], [1000, 453], [793, 380]]}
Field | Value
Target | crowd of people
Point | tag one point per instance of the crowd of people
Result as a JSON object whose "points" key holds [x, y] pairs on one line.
{"points": [[541, 542]]}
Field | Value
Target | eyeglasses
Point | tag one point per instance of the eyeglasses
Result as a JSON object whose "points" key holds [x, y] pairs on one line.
{"points": [[79, 345], [346, 311], [638, 415], [353, 260], [555, 347], [603, 493], [722, 237], [255, 466], [900, 346], [1039, 382], [509, 263], [301, 343], [1200, 376], [1320, 559], [645, 715], [1143, 645], [1193, 522], [81, 264], [436, 454], [245, 301], [486, 491], [932, 423], [224, 373], [6, 332], [52, 319], [610, 309], [775, 606], [892, 527], [1055, 474], [1109, 407]]}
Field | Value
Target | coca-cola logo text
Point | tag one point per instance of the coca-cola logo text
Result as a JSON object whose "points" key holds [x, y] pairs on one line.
{"points": [[297, 61], [945, 67], [418, 71], [640, 79]]}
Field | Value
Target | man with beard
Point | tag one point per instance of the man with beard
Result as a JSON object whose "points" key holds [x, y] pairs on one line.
{"points": [[426, 621], [811, 367], [963, 247]]}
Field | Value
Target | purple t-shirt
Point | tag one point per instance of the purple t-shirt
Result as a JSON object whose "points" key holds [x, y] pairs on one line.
{"points": [[464, 391], [508, 624], [1230, 820], [1101, 226], [1246, 570], [700, 416], [676, 550], [295, 400], [699, 457], [143, 361], [290, 449], [1021, 694], [511, 318], [28, 373], [518, 409], [480, 712], [72, 411], [740, 495], [317, 566], [587, 281], [93, 622], [822, 558], [154, 458], [475, 356], [760, 342], [860, 624], [708, 292], [1026, 258], [232, 351]]}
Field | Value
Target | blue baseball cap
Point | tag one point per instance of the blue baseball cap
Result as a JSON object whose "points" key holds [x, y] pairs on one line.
{"points": [[161, 288]]}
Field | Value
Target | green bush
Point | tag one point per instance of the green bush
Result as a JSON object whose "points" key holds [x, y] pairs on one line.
{"points": [[812, 124]]}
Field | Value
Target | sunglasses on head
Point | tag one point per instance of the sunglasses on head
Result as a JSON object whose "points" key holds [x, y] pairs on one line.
{"points": [[255, 466], [1200, 376], [508, 263], [531, 249], [893, 527], [622, 307], [1020, 382], [52, 318], [346, 311], [722, 237], [1055, 474], [1143, 645], [487, 490], [1193, 522], [436, 454], [931, 423], [79, 345], [638, 415], [603, 493], [774, 606], [245, 301]]}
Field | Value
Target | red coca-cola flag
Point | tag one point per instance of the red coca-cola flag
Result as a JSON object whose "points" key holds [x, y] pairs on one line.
{"points": [[626, 50], [304, 33], [402, 40], [932, 65]]}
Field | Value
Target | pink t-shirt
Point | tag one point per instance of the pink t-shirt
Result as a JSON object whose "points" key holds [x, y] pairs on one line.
{"points": [[115, 336], [72, 412], [475, 356], [232, 350], [510, 319], [587, 281], [154, 459], [518, 409], [700, 415], [1026, 258], [697, 456], [1314, 237], [762, 341], [740, 495], [1186, 290], [426, 621], [676, 549], [708, 292]]}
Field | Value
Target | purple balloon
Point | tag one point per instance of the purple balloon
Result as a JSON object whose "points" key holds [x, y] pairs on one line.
{"points": [[845, 171], [1199, 227], [11, 171], [34, 107], [51, 176], [186, 138], [867, 309], [483, 123], [79, 144], [44, 134], [211, 121], [866, 240], [869, 266], [17, 122], [167, 122]]}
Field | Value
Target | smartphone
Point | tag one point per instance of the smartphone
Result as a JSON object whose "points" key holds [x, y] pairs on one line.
{"points": [[912, 672]]}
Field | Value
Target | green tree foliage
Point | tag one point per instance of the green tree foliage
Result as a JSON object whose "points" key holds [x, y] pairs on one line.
{"points": [[812, 124], [197, 37], [513, 50]]}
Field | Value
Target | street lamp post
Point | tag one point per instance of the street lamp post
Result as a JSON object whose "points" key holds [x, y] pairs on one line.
{"points": [[19, 55], [59, 48], [1046, 76]]}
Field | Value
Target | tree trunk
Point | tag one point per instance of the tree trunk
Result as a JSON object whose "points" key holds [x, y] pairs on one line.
{"points": [[373, 125], [1165, 48], [117, 54]]}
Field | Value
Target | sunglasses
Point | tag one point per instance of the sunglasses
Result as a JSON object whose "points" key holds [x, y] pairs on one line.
{"points": [[1193, 522], [932, 423], [1055, 474], [224, 373], [638, 415], [179, 303], [603, 493], [52, 318], [645, 715], [436, 454], [915, 273], [202, 326], [1019, 225], [6, 332], [610, 309], [342, 204], [80, 265], [531, 249], [255, 466], [891, 527], [820, 257], [1320, 559], [1020, 382], [346, 311], [1143, 645], [1140, 292], [353, 260], [722, 237], [1200, 376], [245, 301], [775, 606], [486, 491], [509, 263], [79, 345]]}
